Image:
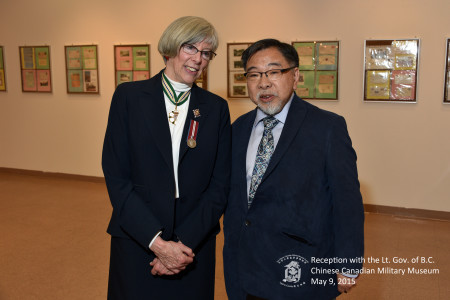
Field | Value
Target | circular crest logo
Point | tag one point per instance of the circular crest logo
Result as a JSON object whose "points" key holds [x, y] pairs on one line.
{"points": [[292, 265]]}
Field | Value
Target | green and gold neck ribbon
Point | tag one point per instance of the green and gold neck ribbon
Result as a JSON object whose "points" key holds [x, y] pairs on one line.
{"points": [[172, 95]]}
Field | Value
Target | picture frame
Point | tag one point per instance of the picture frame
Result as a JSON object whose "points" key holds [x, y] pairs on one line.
{"points": [[35, 69], [82, 69], [2, 71], [447, 74], [318, 69], [236, 81], [390, 70], [131, 63]]}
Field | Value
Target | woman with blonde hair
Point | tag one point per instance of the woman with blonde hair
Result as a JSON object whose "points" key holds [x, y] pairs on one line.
{"points": [[166, 161]]}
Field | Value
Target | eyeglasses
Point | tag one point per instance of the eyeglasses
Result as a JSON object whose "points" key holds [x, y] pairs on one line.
{"points": [[272, 75], [192, 50]]}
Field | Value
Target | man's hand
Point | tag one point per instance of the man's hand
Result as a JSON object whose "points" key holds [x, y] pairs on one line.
{"points": [[159, 269], [345, 283], [173, 256]]}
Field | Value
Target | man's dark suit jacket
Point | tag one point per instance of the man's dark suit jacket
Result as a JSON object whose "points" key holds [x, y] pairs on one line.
{"points": [[307, 206], [139, 173]]}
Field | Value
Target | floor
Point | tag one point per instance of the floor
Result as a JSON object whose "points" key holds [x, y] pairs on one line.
{"points": [[53, 245]]}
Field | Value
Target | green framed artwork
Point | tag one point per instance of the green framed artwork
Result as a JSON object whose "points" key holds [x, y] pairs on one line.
{"points": [[82, 69], [2, 71], [131, 63], [35, 69], [390, 70], [318, 66]]}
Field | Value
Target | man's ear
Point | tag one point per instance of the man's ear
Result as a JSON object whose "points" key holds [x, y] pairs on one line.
{"points": [[296, 77]]}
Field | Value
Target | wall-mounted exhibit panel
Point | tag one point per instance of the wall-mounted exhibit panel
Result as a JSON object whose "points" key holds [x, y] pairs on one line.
{"points": [[390, 70], [131, 63], [82, 69], [319, 68], [35, 69]]}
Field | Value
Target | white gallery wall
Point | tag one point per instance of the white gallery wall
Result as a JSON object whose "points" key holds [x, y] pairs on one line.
{"points": [[403, 149]]}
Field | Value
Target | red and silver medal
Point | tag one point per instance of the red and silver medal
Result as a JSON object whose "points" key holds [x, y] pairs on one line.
{"points": [[192, 136]]}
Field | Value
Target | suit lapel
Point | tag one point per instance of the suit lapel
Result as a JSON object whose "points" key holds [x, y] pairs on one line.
{"points": [[152, 103], [294, 120], [195, 102]]}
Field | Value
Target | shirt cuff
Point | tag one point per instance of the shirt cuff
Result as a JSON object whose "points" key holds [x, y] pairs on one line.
{"points": [[154, 238]]}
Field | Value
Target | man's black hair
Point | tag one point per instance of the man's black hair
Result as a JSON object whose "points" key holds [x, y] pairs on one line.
{"points": [[288, 51]]}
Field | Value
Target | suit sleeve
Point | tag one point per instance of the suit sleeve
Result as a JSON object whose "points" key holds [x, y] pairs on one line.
{"points": [[213, 200], [348, 211], [134, 217]]}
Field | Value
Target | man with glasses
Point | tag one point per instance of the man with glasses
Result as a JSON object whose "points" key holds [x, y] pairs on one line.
{"points": [[294, 220], [166, 160]]}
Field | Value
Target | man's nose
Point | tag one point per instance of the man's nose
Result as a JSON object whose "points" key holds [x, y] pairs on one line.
{"points": [[264, 81]]}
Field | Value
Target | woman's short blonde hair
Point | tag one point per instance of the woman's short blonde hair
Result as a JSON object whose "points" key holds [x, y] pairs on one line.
{"points": [[187, 30]]}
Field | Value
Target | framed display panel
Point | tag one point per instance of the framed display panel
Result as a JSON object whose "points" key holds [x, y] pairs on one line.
{"points": [[2, 71], [35, 69], [131, 63], [447, 74], [390, 70], [202, 81], [318, 67], [236, 81], [82, 69]]}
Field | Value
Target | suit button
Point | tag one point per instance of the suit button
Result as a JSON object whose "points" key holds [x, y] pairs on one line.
{"points": [[247, 223]]}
